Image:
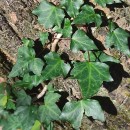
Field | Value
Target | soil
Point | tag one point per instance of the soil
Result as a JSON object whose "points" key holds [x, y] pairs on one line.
{"points": [[17, 21]]}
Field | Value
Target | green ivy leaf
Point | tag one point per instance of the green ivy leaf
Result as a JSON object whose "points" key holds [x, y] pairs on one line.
{"points": [[93, 109], [118, 38], [36, 66], [36, 125], [73, 111], [44, 37], [104, 2], [3, 100], [23, 119], [72, 6], [10, 105], [100, 57], [12, 123], [55, 66], [80, 41], [3, 114], [87, 15], [27, 42], [48, 14], [25, 56], [28, 82], [26, 62], [67, 29], [3, 95], [49, 111], [23, 99], [90, 76]]}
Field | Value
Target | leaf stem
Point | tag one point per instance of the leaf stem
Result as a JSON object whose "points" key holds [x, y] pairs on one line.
{"points": [[88, 56], [53, 47], [42, 92], [62, 38]]}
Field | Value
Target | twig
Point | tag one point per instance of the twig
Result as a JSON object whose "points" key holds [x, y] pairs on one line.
{"points": [[42, 92], [53, 47]]}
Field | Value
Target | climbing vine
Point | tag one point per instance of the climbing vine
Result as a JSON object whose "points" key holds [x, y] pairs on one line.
{"points": [[20, 108]]}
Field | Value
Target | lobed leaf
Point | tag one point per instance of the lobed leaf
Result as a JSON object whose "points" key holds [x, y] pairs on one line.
{"points": [[67, 29], [119, 38], [72, 6], [49, 111], [90, 76], [55, 67], [87, 15], [48, 14], [26, 62], [73, 111], [80, 41], [23, 99], [44, 37], [36, 66]]}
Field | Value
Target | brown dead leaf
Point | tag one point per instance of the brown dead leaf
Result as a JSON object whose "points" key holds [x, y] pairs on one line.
{"points": [[13, 17], [2, 80]]}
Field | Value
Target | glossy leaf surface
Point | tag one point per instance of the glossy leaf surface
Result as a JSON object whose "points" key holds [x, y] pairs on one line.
{"points": [[55, 66], [73, 111], [80, 41], [90, 76], [49, 111], [48, 14], [119, 38], [87, 15], [72, 6]]}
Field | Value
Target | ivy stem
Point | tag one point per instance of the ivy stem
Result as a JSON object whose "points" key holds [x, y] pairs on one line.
{"points": [[88, 56], [42, 92], [62, 38], [53, 47]]}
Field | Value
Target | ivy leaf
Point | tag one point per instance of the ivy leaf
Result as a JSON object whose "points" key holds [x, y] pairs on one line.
{"points": [[23, 99], [27, 42], [3, 114], [26, 62], [72, 6], [25, 56], [3, 95], [73, 111], [100, 57], [27, 116], [118, 38], [36, 66], [10, 105], [67, 29], [90, 76], [3, 100], [48, 14], [93, 109], [12, 123], [80, 41], [44, 37], [104, 2], [49, 111], [55, 66], [36, 125], [28, 82], [87, 15]]}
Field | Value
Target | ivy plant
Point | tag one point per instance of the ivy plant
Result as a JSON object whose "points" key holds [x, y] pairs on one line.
{"points": [[31, 102]]}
